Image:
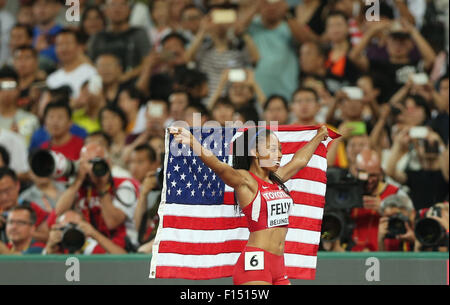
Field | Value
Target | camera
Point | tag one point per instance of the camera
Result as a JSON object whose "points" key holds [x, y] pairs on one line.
{"points": [[99, 167], [336, 225], [51, 164], [343, 190], [73, 238], [429, 232], [396, 225]]}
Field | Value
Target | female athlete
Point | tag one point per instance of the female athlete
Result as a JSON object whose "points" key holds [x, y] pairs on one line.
{"points": [[258, 182]]}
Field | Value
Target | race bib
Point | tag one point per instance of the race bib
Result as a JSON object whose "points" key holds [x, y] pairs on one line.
{"points": [[278, 206], [254, 261]]}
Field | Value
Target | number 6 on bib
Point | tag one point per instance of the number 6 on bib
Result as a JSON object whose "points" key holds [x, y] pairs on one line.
{"points": [[254, 261]]}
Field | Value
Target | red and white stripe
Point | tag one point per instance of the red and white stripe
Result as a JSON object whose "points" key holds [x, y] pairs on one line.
{"points": [[204, 242]]}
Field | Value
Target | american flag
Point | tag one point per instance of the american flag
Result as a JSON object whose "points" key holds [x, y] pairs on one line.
{"points": [[201, 234]]}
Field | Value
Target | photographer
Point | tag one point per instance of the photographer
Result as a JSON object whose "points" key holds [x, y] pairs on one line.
{"points": [[106, 202], [94, 241], [395, 229], [367, 169]]}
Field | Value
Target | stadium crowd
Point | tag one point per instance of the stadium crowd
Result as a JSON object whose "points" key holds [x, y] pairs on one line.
{"points": [[106, 87]]}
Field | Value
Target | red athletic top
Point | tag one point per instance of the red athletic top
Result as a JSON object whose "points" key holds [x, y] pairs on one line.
{"points": [[269, 208]]}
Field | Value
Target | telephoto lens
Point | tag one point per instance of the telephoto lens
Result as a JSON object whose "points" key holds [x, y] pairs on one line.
{"points": [[429, 232], [47, 163]]}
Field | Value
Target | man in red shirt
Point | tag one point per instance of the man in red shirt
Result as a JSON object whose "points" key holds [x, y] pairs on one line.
{"points": [[106, 202], [368, 167], [57, 121], [9, 194]]}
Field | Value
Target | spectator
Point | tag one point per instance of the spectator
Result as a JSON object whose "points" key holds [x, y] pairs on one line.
{"points": [[51, 95], [93, 21], [57, 121], [422, 172], [20, 228], [110, 70], [16, 147], [196, 115], [312, 58], [160, 68], [132, 102], [178, 100], [220, 52], [195, 83], [9, 194], [143, 166], [44, 192], [276, 109], [368, 168], [191, 17], [74, 70], [394, 72], [95, 241], [277, 71], [12, 117], [45, 31], [223, 111], [89, 104], [351, 108], [402, 208], [25, 15], [114, 123], [339, 63], [130, 44], [242, 90], [348, 8], [6, 24], [30, 78], [21, 35], [305, 106], [159, 11], [106, 202]]}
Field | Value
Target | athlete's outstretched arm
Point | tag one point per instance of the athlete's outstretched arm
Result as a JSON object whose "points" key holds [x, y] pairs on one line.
{"points": [[229, 175], [302, 156]]}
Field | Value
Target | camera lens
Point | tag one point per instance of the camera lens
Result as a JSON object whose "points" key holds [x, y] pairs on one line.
{"points": [[42, 163], [73, 239], [99, 167], [396, 226], [429, 232], [332, 226]]}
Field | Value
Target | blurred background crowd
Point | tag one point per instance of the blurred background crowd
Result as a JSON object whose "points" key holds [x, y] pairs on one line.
{"points": [[100, 91]]}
